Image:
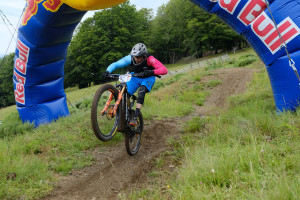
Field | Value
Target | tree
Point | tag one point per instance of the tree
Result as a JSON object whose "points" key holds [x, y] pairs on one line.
{"points": [[6, 83], [106, 37], [183, 29]]}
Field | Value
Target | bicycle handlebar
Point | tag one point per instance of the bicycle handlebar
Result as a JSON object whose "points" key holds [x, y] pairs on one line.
{"points": [[134, 75], [112, 75]]}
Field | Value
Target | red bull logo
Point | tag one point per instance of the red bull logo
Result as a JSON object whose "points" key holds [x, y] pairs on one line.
{"points": [[20, 71], [265, 30], [32, 8], [52, 5], [253, 13]]}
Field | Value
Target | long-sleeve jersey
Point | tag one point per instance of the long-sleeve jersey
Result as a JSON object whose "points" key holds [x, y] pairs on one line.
{"points": [[152, 63]]}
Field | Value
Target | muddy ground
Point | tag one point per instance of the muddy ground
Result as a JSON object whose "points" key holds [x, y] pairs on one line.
{"points": [[115, 171]]}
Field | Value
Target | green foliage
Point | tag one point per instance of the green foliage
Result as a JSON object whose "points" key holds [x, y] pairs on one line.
{"points": [[182, 29], [102, 39], [7, 97]]}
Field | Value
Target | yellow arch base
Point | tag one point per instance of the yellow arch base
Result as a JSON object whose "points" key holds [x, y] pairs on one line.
{"points": [[92, 4]]}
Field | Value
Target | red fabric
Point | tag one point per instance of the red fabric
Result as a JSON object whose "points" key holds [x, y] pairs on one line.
{"points": [[159, 68]]}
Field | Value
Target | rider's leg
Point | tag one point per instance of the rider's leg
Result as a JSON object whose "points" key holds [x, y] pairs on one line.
{"points": [[141, 98], [140, 101]]}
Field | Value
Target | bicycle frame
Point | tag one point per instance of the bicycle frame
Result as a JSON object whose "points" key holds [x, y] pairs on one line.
{"points": [[118, 104], [114, 111], [121, 96]]}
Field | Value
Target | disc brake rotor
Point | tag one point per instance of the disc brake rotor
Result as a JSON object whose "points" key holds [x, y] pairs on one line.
{"points": [[109, 113]]}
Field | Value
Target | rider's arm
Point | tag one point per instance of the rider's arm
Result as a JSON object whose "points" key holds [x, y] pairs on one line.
{"points": [[124, 62], [159, 68]]}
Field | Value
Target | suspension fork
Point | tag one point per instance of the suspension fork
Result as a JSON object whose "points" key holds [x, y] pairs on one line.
{"points": [[110, 98], [118, 101]]}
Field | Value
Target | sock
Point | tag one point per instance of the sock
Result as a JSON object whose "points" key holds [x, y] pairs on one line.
{"points": [[137, 112]]}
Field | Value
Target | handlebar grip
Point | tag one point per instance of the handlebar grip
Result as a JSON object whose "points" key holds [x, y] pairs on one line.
{"points": [[138, 75], [142, 75]]}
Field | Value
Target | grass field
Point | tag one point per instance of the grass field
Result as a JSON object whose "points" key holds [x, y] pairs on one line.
{"points": [[246, 152]]}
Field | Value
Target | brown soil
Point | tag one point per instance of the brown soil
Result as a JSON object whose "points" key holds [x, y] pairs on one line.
{"points": [[115, 171]]}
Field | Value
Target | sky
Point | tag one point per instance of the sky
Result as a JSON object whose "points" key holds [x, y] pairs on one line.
{"points": [[12, 9]]}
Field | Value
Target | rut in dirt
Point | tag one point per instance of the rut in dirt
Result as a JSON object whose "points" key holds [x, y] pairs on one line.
{"points": [[114, 171]]}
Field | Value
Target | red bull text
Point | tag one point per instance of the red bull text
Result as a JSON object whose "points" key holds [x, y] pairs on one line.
{"points": [[253, 13], [20, 69]]}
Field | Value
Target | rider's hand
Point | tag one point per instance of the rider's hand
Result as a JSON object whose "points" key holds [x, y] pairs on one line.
{"points": [[148, 73], [105, 74]]}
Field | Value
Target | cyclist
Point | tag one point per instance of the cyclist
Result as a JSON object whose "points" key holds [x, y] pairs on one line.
{"points": [[145, 64]]}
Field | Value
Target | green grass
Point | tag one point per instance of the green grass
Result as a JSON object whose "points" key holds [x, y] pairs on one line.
{"points": [[254, 153], [35, 155], [247, 152], [176, 96]]}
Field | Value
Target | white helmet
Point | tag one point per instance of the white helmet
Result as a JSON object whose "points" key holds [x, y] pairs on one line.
{"points": [[139, 49]]}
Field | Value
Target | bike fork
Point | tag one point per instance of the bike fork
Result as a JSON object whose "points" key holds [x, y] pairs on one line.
{"points": [[111, 96], [118, 101]]}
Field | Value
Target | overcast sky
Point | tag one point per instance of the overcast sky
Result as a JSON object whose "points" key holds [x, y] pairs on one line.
{"points": [[12, 9]]}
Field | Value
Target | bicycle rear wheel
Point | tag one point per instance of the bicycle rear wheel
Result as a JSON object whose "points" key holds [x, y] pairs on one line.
{"points": [[133, 138], [104, 123]]}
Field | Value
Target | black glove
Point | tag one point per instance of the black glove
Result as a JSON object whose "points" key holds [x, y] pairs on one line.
{"points": [[148, 73], [105, 74]]}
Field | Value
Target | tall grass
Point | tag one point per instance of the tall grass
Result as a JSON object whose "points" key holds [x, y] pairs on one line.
{"points": [[30, 157], [247, 152]]}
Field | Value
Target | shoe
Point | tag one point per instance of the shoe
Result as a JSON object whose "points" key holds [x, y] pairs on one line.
{"points": [[133, 122]]}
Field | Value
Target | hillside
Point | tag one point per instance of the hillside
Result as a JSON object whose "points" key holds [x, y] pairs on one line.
{"points": [[211, 132], [114, 171]]}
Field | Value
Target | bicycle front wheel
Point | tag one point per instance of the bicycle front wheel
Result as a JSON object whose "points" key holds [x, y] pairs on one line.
{"points": [[133, 138], [104, 122]]}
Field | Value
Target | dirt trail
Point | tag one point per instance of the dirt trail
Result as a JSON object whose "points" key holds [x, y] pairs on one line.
{"points": [[115, 171]]}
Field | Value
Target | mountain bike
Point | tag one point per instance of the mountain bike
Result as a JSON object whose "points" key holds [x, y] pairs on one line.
{"points": [[112, 110]]}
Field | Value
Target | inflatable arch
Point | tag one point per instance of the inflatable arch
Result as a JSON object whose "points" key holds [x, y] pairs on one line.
{"points": [[43, 38], [48, 25], [252, 19]]}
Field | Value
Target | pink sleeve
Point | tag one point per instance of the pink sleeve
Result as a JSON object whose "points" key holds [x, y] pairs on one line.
{"points": [[159, 68]]}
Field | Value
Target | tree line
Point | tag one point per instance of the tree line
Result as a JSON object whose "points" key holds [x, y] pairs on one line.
{"points": [[180, 29]]}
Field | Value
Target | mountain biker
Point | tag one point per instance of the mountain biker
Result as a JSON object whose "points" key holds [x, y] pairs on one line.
{"points": [[145, 64]]}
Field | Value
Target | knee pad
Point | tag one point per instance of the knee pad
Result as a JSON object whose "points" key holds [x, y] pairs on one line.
{"points": [[141, 94]]}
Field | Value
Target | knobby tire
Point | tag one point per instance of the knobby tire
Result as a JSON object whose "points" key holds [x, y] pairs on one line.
{"points": [[130, 138], [96, 110]]}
